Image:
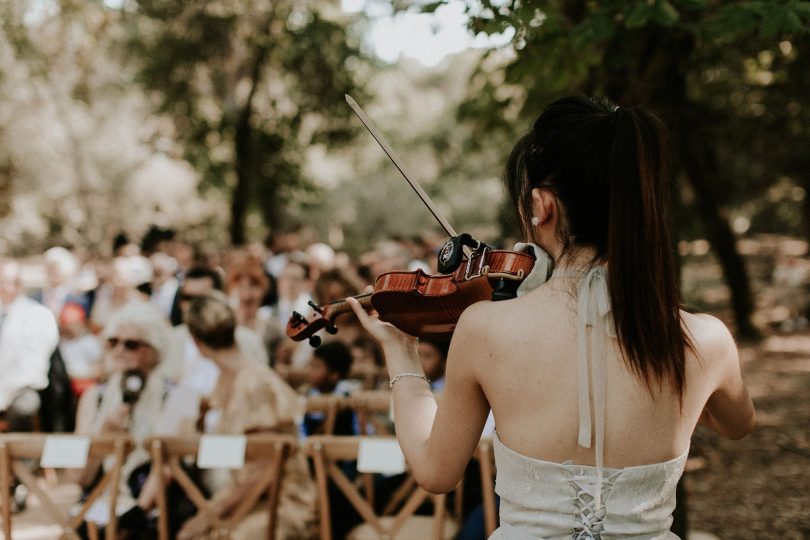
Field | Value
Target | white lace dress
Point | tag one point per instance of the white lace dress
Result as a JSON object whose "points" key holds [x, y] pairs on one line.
{"points": [[543, 500]]}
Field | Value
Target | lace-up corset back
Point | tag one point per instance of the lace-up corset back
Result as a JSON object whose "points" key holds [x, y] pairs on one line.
{"points": [[554, 501], [548, 500]]}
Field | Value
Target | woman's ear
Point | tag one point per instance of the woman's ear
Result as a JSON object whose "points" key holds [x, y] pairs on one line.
{"points": [[544, 207]]}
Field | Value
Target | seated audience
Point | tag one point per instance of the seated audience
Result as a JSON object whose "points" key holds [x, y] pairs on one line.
{"points": [[28, 338], [127, 280], [248, 398], [433, 357], [368, 364], [164, 282], [294, 294], [80, 350], [138, 399], [193, 368], [327, 375], [246, 284], [62, 268]]}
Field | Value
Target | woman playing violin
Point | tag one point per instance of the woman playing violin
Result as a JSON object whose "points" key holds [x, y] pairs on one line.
{"points": [[596, 378]]}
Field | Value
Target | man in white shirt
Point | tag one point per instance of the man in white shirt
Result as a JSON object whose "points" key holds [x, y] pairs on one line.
{"points": [[28, 337]]}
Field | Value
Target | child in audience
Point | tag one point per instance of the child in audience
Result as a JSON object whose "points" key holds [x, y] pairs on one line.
{"points": [[433, 357], [327, 373], [80, 349]]}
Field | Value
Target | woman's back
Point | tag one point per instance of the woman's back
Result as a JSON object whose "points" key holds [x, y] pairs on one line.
{"points": [[552, 481], [531, 378]]}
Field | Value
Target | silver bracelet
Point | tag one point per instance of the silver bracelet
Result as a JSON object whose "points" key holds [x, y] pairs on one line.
{"points": [[401, 375]]}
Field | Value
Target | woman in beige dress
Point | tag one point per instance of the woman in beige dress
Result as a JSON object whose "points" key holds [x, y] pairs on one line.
{"points": [[248, 398]]}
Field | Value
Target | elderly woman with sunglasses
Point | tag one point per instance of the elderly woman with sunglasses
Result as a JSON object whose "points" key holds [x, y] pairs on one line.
{"points": [[137, 399]]}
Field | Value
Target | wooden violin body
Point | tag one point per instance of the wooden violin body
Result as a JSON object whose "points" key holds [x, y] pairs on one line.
{"points": [[427, 306]]}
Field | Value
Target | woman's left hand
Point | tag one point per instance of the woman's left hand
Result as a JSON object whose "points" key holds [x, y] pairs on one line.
{"points": [[385, 333]]}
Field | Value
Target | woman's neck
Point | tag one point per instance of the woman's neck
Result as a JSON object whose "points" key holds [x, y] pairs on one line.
{"points": [[227, 360], [577, 259]]}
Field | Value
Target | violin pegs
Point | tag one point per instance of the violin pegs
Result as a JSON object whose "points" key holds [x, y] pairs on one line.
{"points": [[332, 329], [297, 318], [315, 306], [315, 341]]}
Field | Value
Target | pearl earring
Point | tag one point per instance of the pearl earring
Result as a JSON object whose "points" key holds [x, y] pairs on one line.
{"points": [[535, 221]]}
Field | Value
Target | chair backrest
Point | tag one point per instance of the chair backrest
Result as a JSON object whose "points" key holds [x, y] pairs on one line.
{"points": [[372, 408], [171, 451], [329, 405], [327, 451], [485, 454], [15, 447]]}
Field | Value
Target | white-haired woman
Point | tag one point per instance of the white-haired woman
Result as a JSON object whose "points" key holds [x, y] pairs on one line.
{"points": [[137, 399]]}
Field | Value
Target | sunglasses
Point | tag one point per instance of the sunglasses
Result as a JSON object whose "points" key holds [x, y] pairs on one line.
{"points": [[129, 344], [184, 297]]}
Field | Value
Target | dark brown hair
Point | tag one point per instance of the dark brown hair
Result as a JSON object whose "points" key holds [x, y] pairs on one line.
{"points": [[607, 167]]}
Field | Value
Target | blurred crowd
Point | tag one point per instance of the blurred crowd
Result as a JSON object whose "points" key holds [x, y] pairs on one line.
{"points": [[163, 338]]}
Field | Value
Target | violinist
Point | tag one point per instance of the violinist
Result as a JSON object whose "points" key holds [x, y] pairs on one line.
{"points": [[596, 377]]}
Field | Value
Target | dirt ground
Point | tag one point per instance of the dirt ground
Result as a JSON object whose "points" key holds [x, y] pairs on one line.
{"points": [[759, 487]]}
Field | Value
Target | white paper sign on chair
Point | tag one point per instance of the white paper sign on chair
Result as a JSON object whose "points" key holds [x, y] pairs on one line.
{"points": [[65, 452], [380, 456], [221, 452]]}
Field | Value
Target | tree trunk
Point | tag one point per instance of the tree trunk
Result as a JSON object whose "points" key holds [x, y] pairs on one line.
{"points": [[241, 192], [244, 144], [699, 170]]}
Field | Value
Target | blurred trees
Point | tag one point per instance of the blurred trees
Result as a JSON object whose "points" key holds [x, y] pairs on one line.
{"points": [[82, 155], [250, 87], [729, 78]]}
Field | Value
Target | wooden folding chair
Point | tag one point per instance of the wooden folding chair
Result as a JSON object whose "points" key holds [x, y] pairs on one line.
{"points": [[326, 451], [15, 447], [171, 451], [371, 407], [329, 405], [485, 454]]}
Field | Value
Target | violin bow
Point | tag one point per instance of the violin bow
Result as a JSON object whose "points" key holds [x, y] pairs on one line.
{"points": [[398, 164]]}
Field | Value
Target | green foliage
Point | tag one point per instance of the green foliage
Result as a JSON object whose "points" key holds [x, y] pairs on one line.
{"points": [[250, 86], [731, 100]]}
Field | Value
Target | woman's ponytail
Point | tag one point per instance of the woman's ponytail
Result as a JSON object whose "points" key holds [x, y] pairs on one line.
{"points": [[642, 279]]}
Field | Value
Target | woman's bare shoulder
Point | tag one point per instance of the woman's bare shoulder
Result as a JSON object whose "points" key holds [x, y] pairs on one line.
{"points": [[478, 318], [710, 337]]}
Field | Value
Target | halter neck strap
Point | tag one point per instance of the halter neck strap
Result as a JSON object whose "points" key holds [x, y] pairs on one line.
{"points": [[593, 310]]}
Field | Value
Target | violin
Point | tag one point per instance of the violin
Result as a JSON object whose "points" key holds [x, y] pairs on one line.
{"points": [[422, 305]]}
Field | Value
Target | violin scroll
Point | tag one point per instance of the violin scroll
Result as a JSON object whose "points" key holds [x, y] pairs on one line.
{"points": [[300, 328]]}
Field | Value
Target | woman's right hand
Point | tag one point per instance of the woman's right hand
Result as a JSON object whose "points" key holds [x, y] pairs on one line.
{"points": [[118, 421]]}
